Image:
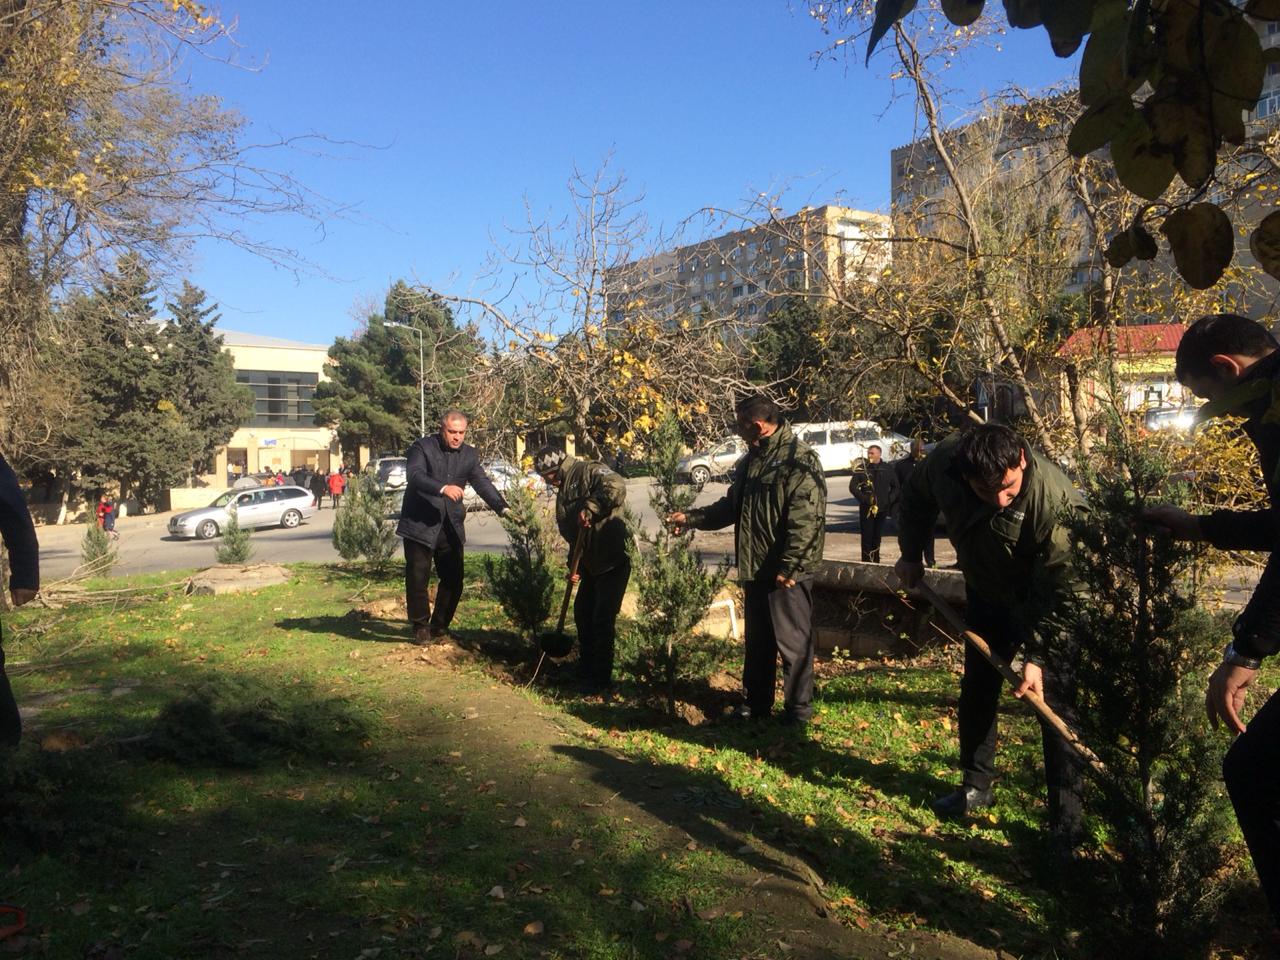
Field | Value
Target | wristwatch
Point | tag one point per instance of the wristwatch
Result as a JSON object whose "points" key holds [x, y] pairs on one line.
{"points": [[1236, 659]]}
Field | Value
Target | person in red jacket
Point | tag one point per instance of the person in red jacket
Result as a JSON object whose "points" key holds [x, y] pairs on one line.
{"points": [[337, 484]]}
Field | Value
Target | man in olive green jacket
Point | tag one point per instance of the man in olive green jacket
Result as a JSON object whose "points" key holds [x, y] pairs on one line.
{"points": [[1004, 505], [778, 503], [590, 501]]}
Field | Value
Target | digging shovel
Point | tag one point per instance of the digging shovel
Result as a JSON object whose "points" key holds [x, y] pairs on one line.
{"points": [[1046, 712], [558, 643]]}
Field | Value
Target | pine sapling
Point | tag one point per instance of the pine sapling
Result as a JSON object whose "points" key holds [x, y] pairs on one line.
{"points": [[234, 546], [675, 590], [97, 553], [361, 529], [522, 580], [1142, 648]]}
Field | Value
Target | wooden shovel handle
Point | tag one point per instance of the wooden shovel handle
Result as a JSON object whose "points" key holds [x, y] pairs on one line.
{"points": [[573, 569], [1037, 702]]}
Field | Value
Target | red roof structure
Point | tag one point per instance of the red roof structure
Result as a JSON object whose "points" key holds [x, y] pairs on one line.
{"points": [[1144, 339]]}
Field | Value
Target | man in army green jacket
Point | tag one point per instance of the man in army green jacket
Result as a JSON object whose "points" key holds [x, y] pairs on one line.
{"points": [[778, 504], [590, 499], [1004, 504]]}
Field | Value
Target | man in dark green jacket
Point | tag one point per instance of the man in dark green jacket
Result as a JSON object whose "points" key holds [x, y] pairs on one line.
{"points": [[590, 501], [1004, 504], [778, 504]]}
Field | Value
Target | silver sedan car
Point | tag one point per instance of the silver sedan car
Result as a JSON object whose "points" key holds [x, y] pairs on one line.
{"points": [[264, 507]]}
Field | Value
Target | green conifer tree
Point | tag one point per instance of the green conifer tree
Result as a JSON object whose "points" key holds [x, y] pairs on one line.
{"points": [[199, 376], [372, 397], [97, 552], [675, 589], [522, 580], [361, 529], [1141, 648], [235, 545]]}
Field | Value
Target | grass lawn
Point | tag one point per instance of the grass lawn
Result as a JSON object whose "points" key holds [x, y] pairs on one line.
{"points": [[271, 775]]}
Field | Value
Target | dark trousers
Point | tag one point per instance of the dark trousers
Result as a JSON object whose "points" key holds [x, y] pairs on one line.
{"points": [[418, 558], [1250, 774], [871, 529], [595, 614], [778, 622], [979, 703], [10, 720], [928, 550]]}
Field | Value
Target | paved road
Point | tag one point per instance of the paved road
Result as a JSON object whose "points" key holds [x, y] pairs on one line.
{"points": [[146, 547]]}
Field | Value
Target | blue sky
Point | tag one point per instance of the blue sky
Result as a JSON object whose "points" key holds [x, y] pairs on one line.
{"points": [[447, 115]]}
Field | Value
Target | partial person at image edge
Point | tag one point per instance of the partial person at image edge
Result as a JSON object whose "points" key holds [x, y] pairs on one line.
{"points": [[19, 535]]}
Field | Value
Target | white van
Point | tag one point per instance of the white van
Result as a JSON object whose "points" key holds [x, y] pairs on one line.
{"points": [[838, 443]]}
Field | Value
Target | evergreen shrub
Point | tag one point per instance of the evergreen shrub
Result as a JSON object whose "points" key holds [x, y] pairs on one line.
{"points": [[361, 529], [234, 547], [522, 581], [663, 650]]}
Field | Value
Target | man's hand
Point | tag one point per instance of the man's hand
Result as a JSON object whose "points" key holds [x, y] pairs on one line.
{"points": [[785, 582], [575, 578], [21, 595], [1183, 525], [1032, 680], [676, 521], [908, 573], [584, 518], [452, 492], [1225, 697]]}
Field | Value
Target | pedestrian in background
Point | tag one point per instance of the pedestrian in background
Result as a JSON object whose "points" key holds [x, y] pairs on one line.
{"points": [[319, 484], [875, 484], [902, 469], [337, 485]]}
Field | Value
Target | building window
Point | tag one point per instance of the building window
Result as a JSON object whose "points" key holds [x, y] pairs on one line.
{"points": [[751, 250], [768, 246], [737, 290], [708, 278], [752, 288], [280, 398], [724, 275]]}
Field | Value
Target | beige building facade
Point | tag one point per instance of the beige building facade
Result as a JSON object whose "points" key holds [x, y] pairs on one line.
{"points": [[281, 433], [746, 273]]}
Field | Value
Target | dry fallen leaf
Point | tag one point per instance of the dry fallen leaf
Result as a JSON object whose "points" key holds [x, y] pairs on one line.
{"points": [[498, 893], [534, 928], [521, 822]]}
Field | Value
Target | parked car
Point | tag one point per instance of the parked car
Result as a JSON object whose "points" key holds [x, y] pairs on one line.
{"points": [[718, 461], [389, 473], [264, 507], [1181, 419], [839, 443], [505, 476]]}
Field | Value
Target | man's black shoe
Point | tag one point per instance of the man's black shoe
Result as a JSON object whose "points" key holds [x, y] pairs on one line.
{"points": [[962, 801]]}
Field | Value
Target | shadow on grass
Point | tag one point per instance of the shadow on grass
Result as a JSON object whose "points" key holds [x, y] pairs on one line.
{"points": [[251, 818], [906, 879], [353, 625]]}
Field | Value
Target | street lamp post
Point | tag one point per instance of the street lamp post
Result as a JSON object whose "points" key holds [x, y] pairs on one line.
{"points": [[422, 376]]}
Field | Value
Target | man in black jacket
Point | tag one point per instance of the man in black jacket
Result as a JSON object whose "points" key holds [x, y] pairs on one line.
{"points": [[24, 582], [432, 522], [1234, 363], [875, 484], [902, 470]]}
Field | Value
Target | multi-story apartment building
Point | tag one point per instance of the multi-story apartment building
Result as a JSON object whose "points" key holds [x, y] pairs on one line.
{"points": [[746, 273]]}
